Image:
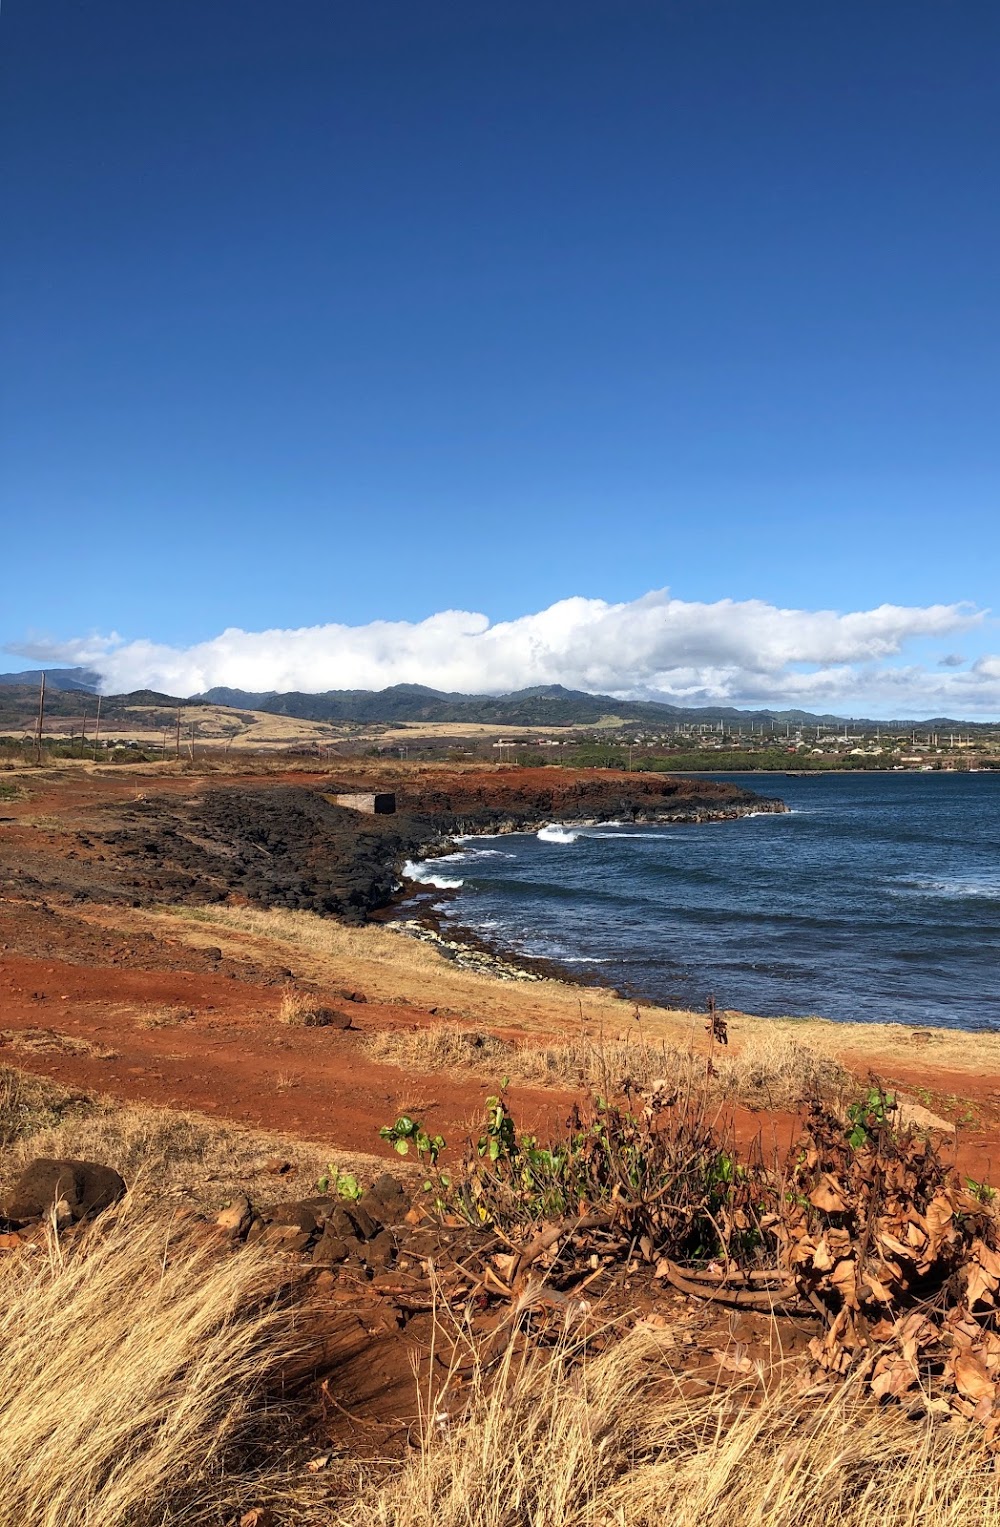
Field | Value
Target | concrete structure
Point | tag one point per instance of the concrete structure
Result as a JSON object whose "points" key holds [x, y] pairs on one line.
{"points": [[379, 803]]}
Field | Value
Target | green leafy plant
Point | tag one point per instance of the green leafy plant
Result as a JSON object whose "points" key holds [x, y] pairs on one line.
{"points": [[662, 1176], [344, 1184], [407, 1132], [869, 1115]]}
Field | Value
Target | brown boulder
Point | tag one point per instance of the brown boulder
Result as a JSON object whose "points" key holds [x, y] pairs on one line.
{"points": [[387, 1200], [81, 1188]]}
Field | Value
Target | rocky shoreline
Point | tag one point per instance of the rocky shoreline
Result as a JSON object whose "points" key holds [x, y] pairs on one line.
{"points": [[282, 843], [472, 951]]}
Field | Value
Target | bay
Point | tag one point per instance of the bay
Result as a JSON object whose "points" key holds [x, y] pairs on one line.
{"points": [[876, 898]]}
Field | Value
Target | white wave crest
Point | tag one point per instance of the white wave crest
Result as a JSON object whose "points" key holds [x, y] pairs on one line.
{"points": [[951, 888], [553, 833], [426, 876]]}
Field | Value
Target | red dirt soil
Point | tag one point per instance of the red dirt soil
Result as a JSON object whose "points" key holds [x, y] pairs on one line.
{"points": [[71, 989]]}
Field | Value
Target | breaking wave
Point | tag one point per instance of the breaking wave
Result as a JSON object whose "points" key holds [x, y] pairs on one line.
{"points": [[556, 834], [425, 876]]}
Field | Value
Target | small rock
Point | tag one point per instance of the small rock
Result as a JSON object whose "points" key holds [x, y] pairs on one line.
{"points": [[330, 1248], [237, 1217], [285, 1237], [307, 1213], [387, 1200], [276, 1166], [326, 1018], [367, 1225], [381, 1250]]}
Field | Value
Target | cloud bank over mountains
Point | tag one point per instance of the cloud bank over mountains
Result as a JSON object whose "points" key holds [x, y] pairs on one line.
{"points": [[732, 652]]}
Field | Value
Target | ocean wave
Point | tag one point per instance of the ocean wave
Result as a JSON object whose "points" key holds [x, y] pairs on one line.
{"points": [[556, 834], [950, 888], [425, 876], [625, 837]]}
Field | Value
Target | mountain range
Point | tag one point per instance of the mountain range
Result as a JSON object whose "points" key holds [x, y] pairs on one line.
{"points": [[541, 706]]}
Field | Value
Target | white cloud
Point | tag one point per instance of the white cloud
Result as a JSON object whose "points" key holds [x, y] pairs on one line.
{"points": [[736, 652]]}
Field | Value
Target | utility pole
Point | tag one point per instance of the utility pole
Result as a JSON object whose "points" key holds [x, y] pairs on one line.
{"points": [[41, 718], [97, 733], [177, 748], [83, 732]]}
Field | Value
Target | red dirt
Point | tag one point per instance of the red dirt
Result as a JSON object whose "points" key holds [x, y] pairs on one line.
{"points": [[62, 971]]}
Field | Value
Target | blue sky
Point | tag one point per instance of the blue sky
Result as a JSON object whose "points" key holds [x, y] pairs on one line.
{"points": [[322, 315]]}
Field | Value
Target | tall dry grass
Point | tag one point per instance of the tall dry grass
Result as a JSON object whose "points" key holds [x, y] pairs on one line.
{"points": [[766, 1071], [613, 1442], [137, 1375], [27, 1104]]}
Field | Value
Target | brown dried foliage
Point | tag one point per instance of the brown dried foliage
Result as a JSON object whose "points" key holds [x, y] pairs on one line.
{"points": [[901, 1259]]}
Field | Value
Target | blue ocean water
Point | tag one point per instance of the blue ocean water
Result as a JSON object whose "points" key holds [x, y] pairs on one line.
{"points": [[876, 898]]}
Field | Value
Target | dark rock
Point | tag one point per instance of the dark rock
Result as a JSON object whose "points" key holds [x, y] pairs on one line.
{"points": [[326, 1018], [331, 1248], [381, 1251], [302, 1214], [386, 1200], [285, 1237], [87, 1188], [366, 1224]]}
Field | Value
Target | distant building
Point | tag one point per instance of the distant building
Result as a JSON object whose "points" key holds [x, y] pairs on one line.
{"points": [[381, 803]]}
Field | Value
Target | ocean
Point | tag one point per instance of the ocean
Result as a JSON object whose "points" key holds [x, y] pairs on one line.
{"points": [[876, 898]]}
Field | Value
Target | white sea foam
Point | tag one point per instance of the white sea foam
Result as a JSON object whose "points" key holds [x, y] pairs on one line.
{"points": [[626, 837], [556, 834], [951, 888], [464, 855], [424, 875]]}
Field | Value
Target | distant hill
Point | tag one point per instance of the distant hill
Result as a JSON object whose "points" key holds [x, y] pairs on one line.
{"points": [[542, 706], [55, 678]]}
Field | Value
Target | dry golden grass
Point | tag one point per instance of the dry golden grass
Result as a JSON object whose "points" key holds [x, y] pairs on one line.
{"points": [[767, 1071], [612, 1442], [27, 1104], [163, 1153], [40, 1041], [301, 1010], [389, 967], [135, 1371], [161, 1015]]}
